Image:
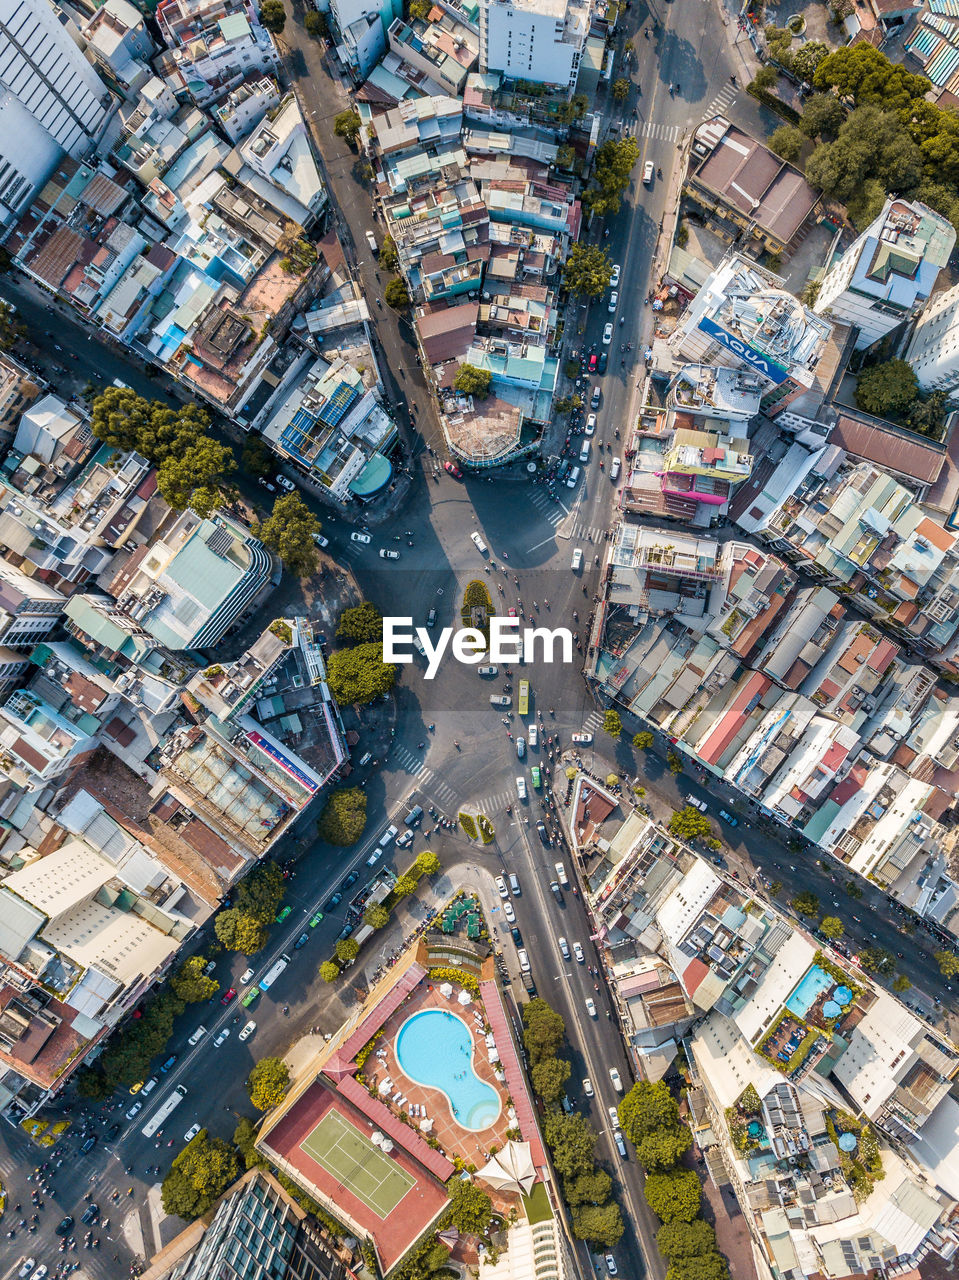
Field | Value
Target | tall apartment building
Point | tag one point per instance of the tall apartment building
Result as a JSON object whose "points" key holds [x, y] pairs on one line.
{"points": [[888, 273], [51, 100], [362, 26], [933, 351], [539, 40]]}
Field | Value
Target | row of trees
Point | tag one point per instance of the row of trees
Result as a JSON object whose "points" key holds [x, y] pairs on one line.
{"points": [[587, 1188], [649, 1117], [357, 672]]}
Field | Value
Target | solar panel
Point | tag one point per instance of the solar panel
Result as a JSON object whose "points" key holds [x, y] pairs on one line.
{"points": [[336, 406]]}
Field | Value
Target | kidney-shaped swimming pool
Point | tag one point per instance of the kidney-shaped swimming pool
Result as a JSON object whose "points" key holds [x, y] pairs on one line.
{"points": [[435, 1048]]}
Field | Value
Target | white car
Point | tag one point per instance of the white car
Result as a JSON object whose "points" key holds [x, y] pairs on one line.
{"points": [[501, 887], [697, 804], [197, 1036], [191, 1133], [590, 424], [245, 977], [614, 469], [584, 452], [524, 963], [509, 913], [577, 560], [613, 1116], [614, 278], [616, 1079], [134, 1110], [478, 543], [27, 1267], [588, 1087], [582, 739], [610, 1264], [533, 735], [590, 1006], [487, 671], [388, 555], [285, 484], [361, 537], [248, 1030], [578, 953], [607, 335], [224, 1035], [405, 839], [521, 787], [648, 172], [40, 1272], [613, 301], [320, 540]]}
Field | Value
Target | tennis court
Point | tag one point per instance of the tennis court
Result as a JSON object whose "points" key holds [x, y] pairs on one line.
{"points": [[357, 1163]]}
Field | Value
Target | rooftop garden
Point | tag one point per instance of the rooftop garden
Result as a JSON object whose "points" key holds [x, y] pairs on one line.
{"points": [[787, 1042], [743, 1121], [861, 1167]]}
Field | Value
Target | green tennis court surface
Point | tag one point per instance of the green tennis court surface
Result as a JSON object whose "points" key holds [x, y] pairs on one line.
{"points": [[356, 1162]]}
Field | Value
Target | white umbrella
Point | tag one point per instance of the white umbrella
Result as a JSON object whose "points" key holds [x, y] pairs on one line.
{"points": [[377, 1138], [446, 990], [465, 998], [385, 1086], [387, 1145], [493, 1054], [426, 1126]]}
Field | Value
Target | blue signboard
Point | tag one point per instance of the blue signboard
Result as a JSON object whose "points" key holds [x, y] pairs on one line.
{"points": [[282, 760], [762, 364]]}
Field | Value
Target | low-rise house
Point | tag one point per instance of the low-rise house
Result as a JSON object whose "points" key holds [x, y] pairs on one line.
{"points": [[439, 46], [119, 45], [246, 105], [213, 45]]}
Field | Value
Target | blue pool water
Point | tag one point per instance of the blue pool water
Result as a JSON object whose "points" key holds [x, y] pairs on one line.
{"points": [[435, 1048], [813, 984]]}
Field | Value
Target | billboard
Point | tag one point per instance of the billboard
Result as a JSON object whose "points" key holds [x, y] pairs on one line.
{"points": [[762, 364]]}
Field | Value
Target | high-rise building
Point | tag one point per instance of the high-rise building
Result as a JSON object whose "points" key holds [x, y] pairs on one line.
{"points": [[934, 349], [51, 100], [538, 40], [888, 273]]}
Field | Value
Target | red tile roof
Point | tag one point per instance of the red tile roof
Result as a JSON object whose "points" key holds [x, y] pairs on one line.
{"points": [[394, 1128], [515, 1077]]}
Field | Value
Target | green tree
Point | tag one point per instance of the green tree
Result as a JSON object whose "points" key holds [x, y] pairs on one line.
{"points": [[885, 388], [329, 971], [689, 824], [807, 58], [787, 142], [244, 1137], [612, 724], [806, 904], [420, 9], [871, 143], [621, 89], [396, 294], [389, 258], [865, 75], [601, 1225], [470, 1209], [362, 624], [93, 1084], [473, 381], [588, 1188], [239, 932], [587, 271], [679, 1240], [288, 532], [543, 1030], [865, 205], [901, 983], [260, 893], [565, 157], [347, 125], [121, 418], [406, 885], [674, 1196], [779, 42], [644, 740], [198, 1176], [376, 916], [257, 459], [707, 1266], [822, 116], [316, 24], [191, 478], [343, 817], [764, 79], [10, 328], [359, 675], [665, 1148], [877, 960], [927, 414], [948, 963], [831, 927], [646, 1109], [549, 1078], [612, 167], [268, 1083], [347, 949], [191, 984], [427, 863], [571, 1140]]}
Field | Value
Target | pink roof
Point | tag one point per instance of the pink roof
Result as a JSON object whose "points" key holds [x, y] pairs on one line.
{"points": [[882, 655], [728, 725], [835, 755], [342, 1060], [394, 1128], [515, 1078]]}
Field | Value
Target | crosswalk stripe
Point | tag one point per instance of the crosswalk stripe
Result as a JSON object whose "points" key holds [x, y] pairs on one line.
{"points": [[721, 100], [661, 132], [593, 721]]}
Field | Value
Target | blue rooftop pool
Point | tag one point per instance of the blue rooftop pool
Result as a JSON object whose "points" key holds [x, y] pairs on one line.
{"points": [[815, 982], [435, 1048]]}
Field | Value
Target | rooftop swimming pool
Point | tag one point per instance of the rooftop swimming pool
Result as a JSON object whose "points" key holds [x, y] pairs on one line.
{"points": [[815, 982], [435, 1048]]}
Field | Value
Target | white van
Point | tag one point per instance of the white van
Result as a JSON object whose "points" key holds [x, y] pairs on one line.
{"points": [[573, 478], [614, 468], [561, 875], [521, 787], [577, 560], [584, 452]]}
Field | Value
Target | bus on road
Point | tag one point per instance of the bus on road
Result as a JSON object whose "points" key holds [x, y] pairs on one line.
{"points": [[524, 697], [164, 1111], [273, 973]]}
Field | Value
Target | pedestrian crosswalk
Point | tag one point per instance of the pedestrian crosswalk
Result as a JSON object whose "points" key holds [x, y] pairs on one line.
{"points": [[495, 802], [589, 532], [662, 132], [550, 509], [411, 763], [721, 101], [593, 722], [444, 793]]}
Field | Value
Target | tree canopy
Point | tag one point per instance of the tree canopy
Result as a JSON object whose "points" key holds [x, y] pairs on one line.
{"points": [[257, 459], [288, 532], [198, 1176], [588, 1188], [572, 1141], [191, 984], [10, 327], [679, 1240], [396, 294], [376, 916], [806, 904], [831, 927], [704, 1266], [549, 1077], [347, 949], [473, 381], [646, 1108], [347, 125], [600, 1224], [260, 893], [359, 674], [427, 863], [822, 116], [643, 740], [543, 1031], [863, 74], [689, 824], [948, 963], [268, 1083], [787, 141], [612, 167], [588, 270], [239, 932], [674, 1196], [664, 1148], [361, 624], [343, 817], [612, 723], [470, 1208], [889, 387]]}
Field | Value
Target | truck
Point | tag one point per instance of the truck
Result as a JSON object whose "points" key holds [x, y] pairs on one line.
{"points": [[273, 972], [164, 1111], [371, 241]]}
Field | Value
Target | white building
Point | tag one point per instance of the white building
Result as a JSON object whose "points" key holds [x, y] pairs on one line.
{"points": [[362, 26], [119, 43], [538, 40], [887, 275], [934, 349]]}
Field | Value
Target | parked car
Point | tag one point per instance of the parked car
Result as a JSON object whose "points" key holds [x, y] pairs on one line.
{"points": [[603, 362], [351, 879], [453, 469], [134, 1110], [614, 469], [405, 839], [191, 1133], [584, 452], [415, 816], [610, 1264], [169, 1064], [524, 963], [613, 301], [614, 278], [521, 787], [224, 1035], [509, 913], [588, 1087], [266, 484], [607, 335], [729, 817], [320, 540], [696, 803], [361, 537], [613, 1116], [542, 832], [478, 542], [248, 1030], [593, 362], [516, 936], [596, 396], [332, 902], [285, 484], [620, 1144], [590, 427], [487, 671], [228, 995], [301, 941], [245, 976], [501, 887], [315, 919], [386, 554], [198, 1034], [616, 1079], [281, 916]]}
